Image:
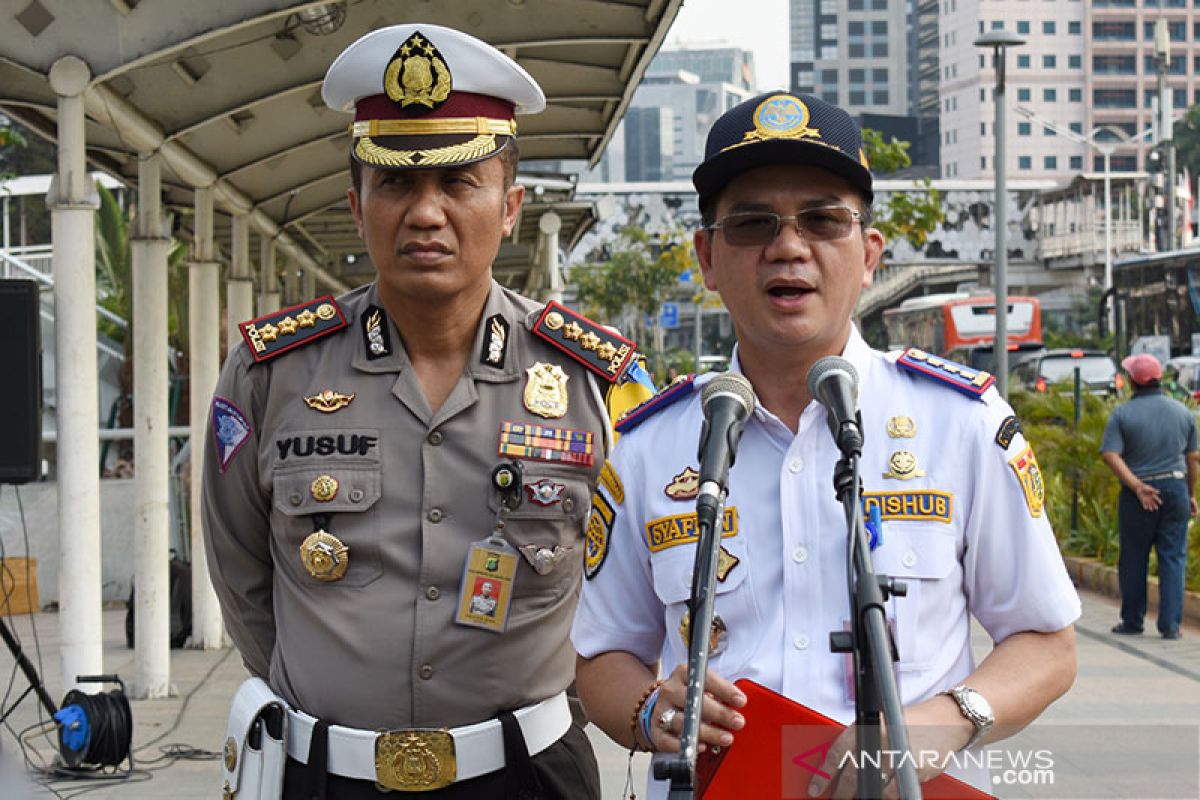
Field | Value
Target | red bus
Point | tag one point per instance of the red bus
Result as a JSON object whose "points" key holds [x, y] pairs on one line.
{"points": [[962, 326]]}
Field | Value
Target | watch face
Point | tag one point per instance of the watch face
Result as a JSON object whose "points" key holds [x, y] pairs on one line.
{"points": [[977, 704]]}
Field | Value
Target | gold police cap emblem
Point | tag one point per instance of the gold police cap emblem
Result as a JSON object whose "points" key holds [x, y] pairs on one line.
{"points": [[901, 428], [324, 488], [903, 466], [546, 390], [780, 116], [324, 556], [417, 74]]}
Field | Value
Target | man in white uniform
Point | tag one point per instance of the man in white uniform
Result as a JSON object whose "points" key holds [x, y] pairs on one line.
{"points": [[785, 198]]}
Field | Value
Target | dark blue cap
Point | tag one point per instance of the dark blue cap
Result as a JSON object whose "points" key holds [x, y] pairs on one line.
{"points": [[783, 128]]}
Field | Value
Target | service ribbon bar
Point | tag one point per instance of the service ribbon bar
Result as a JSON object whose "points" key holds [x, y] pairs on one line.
{"points": [[545, 443]]}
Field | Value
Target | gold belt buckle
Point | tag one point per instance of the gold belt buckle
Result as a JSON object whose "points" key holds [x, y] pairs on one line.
{"points": [[415, 760]]}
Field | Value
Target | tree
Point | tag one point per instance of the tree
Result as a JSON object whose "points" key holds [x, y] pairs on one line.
{"points": [[906, 215], [114, 290], [22, 153], [1187, 142], [626, 282]]}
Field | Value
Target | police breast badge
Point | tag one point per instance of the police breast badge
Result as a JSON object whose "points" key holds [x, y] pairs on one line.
{"points": [[546, 390], [324, 556]]}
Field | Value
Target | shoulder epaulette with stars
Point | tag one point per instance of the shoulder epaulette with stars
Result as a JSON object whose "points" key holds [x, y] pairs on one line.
{"points": [[286, 329], [967, 380], [605, 353], [671, 394]]}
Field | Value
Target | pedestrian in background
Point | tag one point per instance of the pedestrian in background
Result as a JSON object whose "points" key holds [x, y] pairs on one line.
{"points": [[1150, 444]]}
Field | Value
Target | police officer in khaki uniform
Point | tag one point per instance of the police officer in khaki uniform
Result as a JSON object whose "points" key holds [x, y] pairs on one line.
{"points": [[379, 462]]}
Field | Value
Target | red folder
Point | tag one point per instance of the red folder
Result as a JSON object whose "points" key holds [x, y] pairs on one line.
{"points": [[781, 747]]}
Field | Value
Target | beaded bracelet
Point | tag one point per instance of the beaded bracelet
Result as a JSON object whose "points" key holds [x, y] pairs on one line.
{"points": [[635, 718]]}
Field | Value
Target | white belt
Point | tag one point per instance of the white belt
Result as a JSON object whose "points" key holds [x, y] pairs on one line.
{"points": [[426, 759]]}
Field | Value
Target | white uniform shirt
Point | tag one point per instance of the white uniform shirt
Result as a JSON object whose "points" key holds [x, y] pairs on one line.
{"points": [[982, 550]]}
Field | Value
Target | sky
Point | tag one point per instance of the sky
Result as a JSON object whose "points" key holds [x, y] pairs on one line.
{"points": [[757, 25]]}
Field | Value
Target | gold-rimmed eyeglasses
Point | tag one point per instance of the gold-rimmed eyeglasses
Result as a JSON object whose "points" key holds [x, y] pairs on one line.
{"points": [[757, 228]]}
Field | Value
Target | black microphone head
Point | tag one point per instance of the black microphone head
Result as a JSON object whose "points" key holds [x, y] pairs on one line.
{"points": [[728, 384], [828, 367]]}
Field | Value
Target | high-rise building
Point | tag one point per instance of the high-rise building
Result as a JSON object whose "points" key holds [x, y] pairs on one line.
{"points": [[1086, 64], [875, 58], [681, 95]]}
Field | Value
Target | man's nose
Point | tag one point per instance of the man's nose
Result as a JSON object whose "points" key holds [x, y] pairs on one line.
{"points": [[427, 204]]}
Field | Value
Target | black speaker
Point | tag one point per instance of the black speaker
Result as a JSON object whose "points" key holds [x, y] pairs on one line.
{"points": [[21, 365]]}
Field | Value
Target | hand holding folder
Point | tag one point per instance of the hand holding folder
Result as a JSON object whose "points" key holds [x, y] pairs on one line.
{"points": [[779, 750]]}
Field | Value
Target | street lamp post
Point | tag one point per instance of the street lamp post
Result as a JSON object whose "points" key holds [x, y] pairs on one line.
{"points": [[998, 41]]}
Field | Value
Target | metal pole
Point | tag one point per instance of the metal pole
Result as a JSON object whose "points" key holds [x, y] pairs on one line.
{"points": [[239, 288], [73, 206], [1108, 265], [268, 280], [203, 337], [151, 549], [549, 225], [1000, 345]]}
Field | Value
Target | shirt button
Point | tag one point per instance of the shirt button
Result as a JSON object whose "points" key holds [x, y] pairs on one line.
{"points": [[800, 555], [426, 671], [909, 559], [435, 515], [432, 593], [436, 438], [295, 498], [568, 505], [801, 642], [356, 495], [795, 465]]}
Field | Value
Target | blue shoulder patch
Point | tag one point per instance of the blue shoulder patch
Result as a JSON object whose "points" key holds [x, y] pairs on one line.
{"points": [[670, 394], [967, 380]]}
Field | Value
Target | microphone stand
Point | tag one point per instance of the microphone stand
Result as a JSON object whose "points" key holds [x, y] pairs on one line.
{"points": [[682, 768], [872, 647]]}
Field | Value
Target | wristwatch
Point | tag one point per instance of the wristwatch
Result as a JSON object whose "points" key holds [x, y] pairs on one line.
{"points": [[974, 707]]}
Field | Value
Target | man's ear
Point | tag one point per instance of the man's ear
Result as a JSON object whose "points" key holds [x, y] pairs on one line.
{"points": [[514, 196], [355, 211], [702, 240], [873, 243]]}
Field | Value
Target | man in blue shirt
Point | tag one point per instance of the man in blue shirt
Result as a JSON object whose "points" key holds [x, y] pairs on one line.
{"points": [[1150, 443]]}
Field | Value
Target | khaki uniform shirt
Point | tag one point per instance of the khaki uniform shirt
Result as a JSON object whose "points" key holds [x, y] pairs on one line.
{"points": [[379, 648]]}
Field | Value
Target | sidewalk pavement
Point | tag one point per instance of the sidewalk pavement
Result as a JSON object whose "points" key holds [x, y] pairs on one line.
{"points": [[1125, 682]]}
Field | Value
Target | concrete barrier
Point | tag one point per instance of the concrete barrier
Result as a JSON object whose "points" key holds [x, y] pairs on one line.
{"points": [[1090, 573]]}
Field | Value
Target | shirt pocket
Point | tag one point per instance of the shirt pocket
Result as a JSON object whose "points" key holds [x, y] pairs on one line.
{"points": [[547, 529], [924, 557], [734, 603], [352, 512]]}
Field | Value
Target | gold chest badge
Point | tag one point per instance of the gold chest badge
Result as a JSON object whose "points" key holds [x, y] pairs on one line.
{"points": [[901, 428], [546, 390], [324, 488], [903, 466], [328, 401], [684, 486], [324, 556]]}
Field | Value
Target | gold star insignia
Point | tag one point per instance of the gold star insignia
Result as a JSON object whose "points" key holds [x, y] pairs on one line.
{"points": [[606, 351], [287, 326], [306, 319], [590, 341], [268, 332], [572, 330], [405, 50]]}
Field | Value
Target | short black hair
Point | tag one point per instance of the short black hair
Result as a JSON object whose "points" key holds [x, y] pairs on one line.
{"points": [[509, 155]]}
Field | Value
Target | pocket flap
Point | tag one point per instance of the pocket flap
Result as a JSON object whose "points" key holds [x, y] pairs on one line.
{"points": [[673, 570], [329, 489]]}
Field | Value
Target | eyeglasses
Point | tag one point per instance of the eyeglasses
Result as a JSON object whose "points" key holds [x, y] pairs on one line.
{"points": [[756, 228]]}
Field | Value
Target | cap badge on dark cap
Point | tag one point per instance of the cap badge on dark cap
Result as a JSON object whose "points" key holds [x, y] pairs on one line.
{"points": [[417, 74], [780, 117]]}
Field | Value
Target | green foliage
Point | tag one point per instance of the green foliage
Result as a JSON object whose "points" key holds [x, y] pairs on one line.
{"points": [[635, 276], [906, 215], [114, 274], [23, 153], [1187, 141], [1070, 457]]}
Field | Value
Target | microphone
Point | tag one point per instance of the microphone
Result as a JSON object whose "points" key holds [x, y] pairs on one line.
{"points": [[727, 401], [833, 382]]}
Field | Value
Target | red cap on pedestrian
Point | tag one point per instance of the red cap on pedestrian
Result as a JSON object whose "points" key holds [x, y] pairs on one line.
{"points": [[1142, 368]]}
